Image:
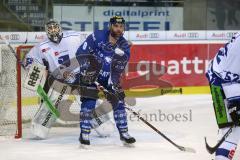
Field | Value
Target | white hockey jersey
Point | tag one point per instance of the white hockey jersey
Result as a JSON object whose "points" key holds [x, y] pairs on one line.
{"points": [[56, 57], [224, 69], [226, 62]]}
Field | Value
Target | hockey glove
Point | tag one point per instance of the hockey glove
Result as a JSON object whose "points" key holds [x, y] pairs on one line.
{"points": [[118, 91], [234, 111], [90, 67]]}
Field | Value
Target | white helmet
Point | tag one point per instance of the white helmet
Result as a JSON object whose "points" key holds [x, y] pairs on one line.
{"points": [[54, 31]]}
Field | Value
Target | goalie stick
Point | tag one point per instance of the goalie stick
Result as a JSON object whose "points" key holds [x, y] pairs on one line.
{"points": [[213, 149], [181, 148], [13, 52]]}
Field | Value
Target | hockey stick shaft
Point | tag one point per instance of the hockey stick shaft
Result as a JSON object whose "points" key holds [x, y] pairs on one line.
{"points": [[53, 108], [181, 148], [14, 53], [154, 128], [211, 150], [48, 102]]}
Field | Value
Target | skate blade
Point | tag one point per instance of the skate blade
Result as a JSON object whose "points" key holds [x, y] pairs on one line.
{"points": [[84, 146], [37, 138], [128, 145]]}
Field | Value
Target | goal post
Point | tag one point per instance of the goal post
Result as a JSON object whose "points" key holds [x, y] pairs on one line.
{"points": [[21, 52], [11, 92]]}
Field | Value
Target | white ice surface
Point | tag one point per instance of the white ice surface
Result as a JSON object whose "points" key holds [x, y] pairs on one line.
{"points": [[63, 144]]}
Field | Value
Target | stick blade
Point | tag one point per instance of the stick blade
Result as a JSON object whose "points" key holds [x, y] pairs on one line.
{"points": [[187, 149], [210, 150]]}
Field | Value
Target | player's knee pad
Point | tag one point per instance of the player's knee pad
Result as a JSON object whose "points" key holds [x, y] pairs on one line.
{"points": [[121, 106], [88, 104]]}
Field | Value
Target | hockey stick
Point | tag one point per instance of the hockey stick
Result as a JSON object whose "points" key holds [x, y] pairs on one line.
{"points": [[13, 52], [53, 107], [181, 148], [48, 102], [211, 150]]}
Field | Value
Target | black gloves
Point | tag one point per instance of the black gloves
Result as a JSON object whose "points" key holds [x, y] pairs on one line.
{"points": [[234, 111], [118, 91], [90, 67]]}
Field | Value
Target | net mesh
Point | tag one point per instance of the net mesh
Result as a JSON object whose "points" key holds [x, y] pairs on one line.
{"points": [[8, 94]]}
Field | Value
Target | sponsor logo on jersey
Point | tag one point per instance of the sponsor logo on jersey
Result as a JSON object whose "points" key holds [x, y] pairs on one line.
{"points": [[45, 50], [231, 154], [56, 53]]}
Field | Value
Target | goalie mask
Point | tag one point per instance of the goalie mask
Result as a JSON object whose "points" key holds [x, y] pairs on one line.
{"points": [[54, 31], [117, 26]]}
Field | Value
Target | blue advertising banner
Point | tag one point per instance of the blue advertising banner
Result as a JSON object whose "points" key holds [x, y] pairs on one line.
{"points": [[84, 18]]}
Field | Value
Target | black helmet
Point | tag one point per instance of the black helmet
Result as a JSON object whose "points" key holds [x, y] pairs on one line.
{"points": [[54, 31], [117, 19]]}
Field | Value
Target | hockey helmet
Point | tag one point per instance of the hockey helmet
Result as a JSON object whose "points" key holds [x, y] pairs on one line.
{"points": [[54, 31], [116, 20]]}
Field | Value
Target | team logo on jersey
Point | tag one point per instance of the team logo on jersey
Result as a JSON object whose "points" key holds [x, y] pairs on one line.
{"points": [[108, 59]]}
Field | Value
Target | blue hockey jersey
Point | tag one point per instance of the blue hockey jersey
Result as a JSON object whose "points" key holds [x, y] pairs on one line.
{"points": [[98, 44]]}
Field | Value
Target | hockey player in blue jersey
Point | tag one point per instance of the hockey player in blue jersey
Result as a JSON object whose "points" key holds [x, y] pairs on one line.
{"points": [[112, 51]]}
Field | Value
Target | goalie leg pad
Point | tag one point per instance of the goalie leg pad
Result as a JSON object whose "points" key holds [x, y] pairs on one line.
{"points": [[44, 119], [42, 122]]}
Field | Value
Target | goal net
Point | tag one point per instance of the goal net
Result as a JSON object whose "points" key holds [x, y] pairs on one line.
{"points": [[17, 105]]}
